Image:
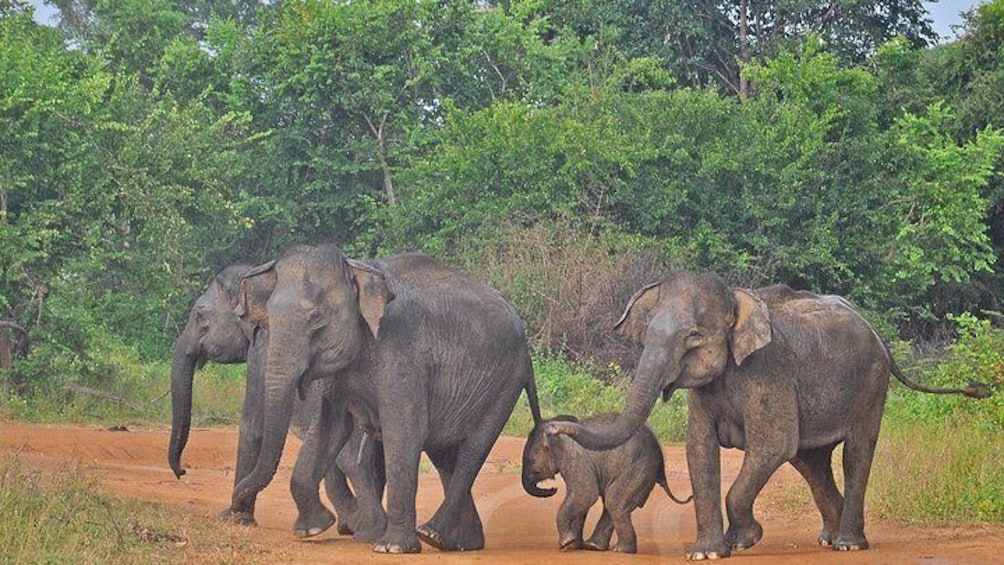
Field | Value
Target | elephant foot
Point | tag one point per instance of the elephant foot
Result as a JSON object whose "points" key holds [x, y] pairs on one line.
{"points": [[740, 539], [239, 517], [597, 545], [309, 526], [701, 551], [627, 548], [344, 529], [473, 541], [570, 543], [850, 543], [825, 539], [396, 546], [370, 530]]}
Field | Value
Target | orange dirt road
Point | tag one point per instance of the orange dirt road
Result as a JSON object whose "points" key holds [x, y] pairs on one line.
{"points": [[518, 528]]}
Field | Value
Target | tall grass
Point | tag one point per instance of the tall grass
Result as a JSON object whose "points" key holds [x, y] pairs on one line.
{"points": [[58, 517], [938, 472], [131, 392]]}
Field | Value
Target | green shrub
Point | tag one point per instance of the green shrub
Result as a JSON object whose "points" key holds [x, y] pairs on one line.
{"points": [[111, 385], [569, 388], [570, 286], [977, 355]]}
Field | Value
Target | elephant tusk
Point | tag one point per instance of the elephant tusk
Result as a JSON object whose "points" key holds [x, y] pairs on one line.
{"points": [[362, 447]]}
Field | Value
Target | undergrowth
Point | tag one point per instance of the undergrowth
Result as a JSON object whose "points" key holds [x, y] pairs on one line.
{"points": [[58, 517]]}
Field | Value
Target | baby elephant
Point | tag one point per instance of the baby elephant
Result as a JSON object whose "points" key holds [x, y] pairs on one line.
{"points": [[623, 476]]}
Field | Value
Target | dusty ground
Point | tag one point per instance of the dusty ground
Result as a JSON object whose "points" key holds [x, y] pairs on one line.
{"points": [[518, 528]]}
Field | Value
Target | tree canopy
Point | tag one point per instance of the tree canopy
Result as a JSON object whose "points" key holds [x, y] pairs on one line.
{"points": [[831, 146]]}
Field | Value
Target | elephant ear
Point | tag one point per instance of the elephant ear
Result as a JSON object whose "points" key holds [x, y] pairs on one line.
{"points": [[751, 330], [253, 292], [636, 317], [372, 292]]}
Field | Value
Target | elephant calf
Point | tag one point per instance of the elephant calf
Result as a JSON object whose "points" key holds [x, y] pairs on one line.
{"points": [[623, 476]]}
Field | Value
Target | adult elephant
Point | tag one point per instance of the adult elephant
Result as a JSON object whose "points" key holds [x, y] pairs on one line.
{"points": [[214, 332], [781, 374], [439, 358]]}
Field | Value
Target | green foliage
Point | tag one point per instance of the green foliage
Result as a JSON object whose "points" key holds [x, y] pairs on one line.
{"points": [[975, 356], [568, 388], [92, 377]]}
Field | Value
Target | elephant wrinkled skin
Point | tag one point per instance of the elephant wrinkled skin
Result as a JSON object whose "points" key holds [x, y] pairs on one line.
{"points": [[783, 375], [215, 333], [623, 477], [438, 358]]}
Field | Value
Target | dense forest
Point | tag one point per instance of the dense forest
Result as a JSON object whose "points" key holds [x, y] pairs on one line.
{"points": [[566, 152]]}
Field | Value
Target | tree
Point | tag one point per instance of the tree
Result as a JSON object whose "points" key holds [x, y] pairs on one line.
{"points": [[705, 42]]}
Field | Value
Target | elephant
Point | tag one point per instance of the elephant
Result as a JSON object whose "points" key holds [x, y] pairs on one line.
{"points": [[623, 477], [439, 358], [783, 375], [215, 333]]}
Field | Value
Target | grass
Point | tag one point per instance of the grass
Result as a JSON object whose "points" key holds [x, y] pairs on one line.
{"points": [[53, 517], [138, 395], [929, 473]]}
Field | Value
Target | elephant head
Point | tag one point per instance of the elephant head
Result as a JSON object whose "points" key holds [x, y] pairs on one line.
{"points": [[213, 333], [539, 461], [321, 312], [692, 327]]}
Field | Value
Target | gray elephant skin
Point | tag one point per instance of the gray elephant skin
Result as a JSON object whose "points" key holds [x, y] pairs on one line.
{"points": [[622, 476], [215, 333], [438, 358], [783, 375]]}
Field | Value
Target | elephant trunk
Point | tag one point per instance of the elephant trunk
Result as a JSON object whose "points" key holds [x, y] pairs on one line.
{"points": [[530, 482], [188, 356], [282, 375], [657, 360]]}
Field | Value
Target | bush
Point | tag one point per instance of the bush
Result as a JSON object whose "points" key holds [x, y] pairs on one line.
{"points": [[975, 356], [569, 286], [565, 387]]}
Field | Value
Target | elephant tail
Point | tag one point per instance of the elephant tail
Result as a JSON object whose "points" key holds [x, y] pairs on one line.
{"points": [[664, 483], [531, 392], [973, 390]]}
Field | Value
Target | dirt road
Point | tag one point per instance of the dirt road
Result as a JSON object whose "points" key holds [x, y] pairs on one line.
{"points": [[518, 528]]}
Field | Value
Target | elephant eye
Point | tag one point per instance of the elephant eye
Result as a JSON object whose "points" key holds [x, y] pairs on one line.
{"points": [[315, 320], [695, 338]]}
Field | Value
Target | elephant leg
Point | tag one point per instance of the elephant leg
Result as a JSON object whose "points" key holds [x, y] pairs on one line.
{"points": [[249, 439], [362, 461], [627, 541], [456, 526], [572, 517], [336, 487], [703, 460], [758, 466], [460, 529], [816, 468], [859, 450], [404, 435], [626, 493], [328, 432], [604, 530]]}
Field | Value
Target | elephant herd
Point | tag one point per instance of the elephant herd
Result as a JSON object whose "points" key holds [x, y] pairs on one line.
{"points": [[371, 363]]}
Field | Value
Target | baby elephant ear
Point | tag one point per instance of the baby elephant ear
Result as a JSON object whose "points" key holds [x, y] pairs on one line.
{"points": [[640, 309], [751, 330], [372, 291]]}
